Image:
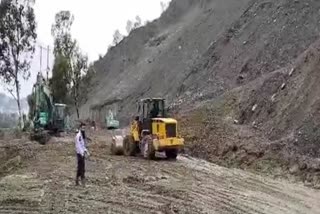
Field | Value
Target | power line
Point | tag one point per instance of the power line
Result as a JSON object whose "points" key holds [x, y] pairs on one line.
{"points": [[40, 58]]}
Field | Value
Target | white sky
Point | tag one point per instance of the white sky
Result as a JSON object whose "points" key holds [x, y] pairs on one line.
{"points": [[94, 25]]}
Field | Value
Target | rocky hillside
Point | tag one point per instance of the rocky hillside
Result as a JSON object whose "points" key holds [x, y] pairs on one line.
{"points": [[147, 62], [241, 74]]}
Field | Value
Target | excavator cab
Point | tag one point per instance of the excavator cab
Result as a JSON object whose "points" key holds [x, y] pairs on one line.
{"points": [[59, 114]]}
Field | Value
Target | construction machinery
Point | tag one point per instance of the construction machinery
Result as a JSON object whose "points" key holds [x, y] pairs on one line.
{"points": [[116, 147], [48, 118], [152, 131], [111, 122]]}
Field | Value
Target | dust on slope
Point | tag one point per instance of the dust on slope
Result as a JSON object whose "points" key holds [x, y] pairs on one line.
{"points": [[118, 184]]}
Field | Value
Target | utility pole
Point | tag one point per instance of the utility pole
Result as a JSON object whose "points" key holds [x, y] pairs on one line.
{"points": [[40, 59], [48, 49], [48, 59]]}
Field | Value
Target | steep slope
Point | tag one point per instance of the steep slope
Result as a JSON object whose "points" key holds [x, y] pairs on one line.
{"points": [[238, 74], [270, 124], [203, 48], [145, 63]]}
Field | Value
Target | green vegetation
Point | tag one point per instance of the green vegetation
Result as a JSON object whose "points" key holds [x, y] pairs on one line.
{"points": [[70, 71], [17, 44]]}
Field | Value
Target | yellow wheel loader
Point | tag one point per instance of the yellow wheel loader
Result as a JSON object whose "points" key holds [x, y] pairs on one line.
{"points": [[151, 131]]}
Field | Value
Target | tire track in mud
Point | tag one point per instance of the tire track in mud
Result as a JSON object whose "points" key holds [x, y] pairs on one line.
{"points": [[22, 198], [249, 193], [118, 184]]}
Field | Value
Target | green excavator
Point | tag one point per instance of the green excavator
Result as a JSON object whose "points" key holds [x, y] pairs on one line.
{"points": [[47, 117], [111, 121]]}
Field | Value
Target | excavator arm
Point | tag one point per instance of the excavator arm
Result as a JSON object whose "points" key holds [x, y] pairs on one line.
{"points": [[42, 104]]}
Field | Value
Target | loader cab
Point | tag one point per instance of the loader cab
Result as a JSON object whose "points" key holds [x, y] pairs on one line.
{"points": [[149, 109]]}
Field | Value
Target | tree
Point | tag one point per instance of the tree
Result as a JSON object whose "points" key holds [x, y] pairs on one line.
{"points": [[17, 44], [64, 47], [138, 22], [129, 26], [58, 81], [70, 65], [78, 70], [61, 32], [117, 37], [164, 6]]}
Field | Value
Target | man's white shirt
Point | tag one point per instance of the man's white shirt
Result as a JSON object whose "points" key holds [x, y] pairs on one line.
{"points": [[80, 144]]}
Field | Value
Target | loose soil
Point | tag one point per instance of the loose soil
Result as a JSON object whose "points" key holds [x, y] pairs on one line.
{"points": [[43, 182]]}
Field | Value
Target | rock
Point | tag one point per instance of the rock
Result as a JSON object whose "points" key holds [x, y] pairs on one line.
{"points": [[303, 166], [240, 77], [315, 165], [150, 179], [291, 72], [316, 186], [254, 125], [294, 169], [164, 177], [254, 107], [236, 121], [283, 86]]}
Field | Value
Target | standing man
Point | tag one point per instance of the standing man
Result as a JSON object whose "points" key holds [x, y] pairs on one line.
{"points": [[81, 153]]}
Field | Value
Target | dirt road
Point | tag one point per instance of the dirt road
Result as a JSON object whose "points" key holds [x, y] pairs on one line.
{"points": [[45, 184]]}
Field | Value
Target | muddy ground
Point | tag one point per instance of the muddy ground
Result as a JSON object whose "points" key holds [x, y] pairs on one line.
{"points": [[40, 179]]}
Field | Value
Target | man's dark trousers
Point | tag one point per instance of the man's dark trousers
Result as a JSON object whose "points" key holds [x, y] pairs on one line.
{"points": [[80, 168]]}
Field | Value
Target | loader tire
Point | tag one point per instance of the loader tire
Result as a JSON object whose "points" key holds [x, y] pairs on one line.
{"points": [[114, 150], [129, 146], [150, 153], [172, 154]]}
